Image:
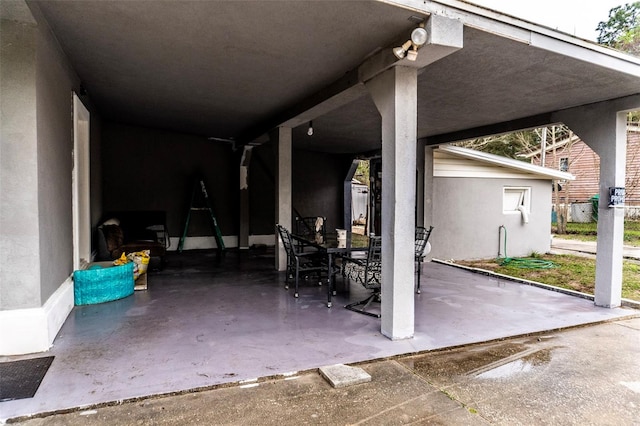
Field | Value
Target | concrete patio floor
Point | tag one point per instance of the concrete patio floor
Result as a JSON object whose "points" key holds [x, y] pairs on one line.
{"points": [[204, 323]]}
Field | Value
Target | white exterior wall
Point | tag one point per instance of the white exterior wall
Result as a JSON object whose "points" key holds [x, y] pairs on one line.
{"points": [[467, 214]]}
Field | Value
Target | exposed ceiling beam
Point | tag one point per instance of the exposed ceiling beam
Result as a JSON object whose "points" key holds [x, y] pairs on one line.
{"points": [[491, 129], [627, 103]]}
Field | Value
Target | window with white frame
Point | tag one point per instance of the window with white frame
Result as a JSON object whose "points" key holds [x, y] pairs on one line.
{"points": [[563, 166], [516, 200]]}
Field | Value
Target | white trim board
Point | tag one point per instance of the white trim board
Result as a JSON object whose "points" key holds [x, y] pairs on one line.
{"points": [[32, 330], [80, 180]]}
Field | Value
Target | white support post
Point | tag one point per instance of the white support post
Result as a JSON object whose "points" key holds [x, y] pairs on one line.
{"points": [[281, 138], [395, 95], [420, 180], [245, 211], [603, 127], [428, 190], [608, 291]]}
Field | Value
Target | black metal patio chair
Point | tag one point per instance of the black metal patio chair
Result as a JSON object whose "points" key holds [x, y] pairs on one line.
{"points": [[312, 228], [422, 238], [366, 271], [300, 262]]}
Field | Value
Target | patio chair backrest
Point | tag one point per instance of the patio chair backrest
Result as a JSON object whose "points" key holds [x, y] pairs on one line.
{"points": [[374, 253], [373, 265], [310, 226], [422, 237], [287, 241]]}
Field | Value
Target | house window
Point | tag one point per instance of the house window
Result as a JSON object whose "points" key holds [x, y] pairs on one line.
{"points": [[517, 200], [564, 164]]}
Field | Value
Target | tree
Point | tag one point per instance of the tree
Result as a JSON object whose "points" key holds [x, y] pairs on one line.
{"points": [[513, 145], [622, 30], [362, 172], [507, 145], [561, 206]]}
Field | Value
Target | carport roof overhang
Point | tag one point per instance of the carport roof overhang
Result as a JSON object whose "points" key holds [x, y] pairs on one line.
{"points": [[238, 69]]}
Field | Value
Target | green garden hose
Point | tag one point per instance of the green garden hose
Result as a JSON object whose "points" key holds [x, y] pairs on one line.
{"points": [[520, 262]]}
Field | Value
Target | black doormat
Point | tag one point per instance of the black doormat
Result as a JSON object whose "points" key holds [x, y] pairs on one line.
{"points": [[21, 379]]}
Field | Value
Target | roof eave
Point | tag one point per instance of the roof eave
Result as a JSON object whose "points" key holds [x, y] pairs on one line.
{"points": [[497, 160]]}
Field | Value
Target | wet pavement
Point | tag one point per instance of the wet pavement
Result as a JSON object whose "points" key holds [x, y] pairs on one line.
{"points": [[581, 376]]}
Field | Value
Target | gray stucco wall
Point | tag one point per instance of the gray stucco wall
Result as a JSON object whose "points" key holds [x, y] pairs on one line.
{"points": [[19, 233], [96, 169], [55, 81], [318, 185], [262, 191], [467, 214], [36, 157], [153, 169]]}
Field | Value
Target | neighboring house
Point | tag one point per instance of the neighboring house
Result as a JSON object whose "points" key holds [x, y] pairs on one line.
{"points": [[574, 156], [476, 193]]}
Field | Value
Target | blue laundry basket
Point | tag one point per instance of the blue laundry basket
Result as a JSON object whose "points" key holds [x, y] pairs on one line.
{"points": [[99, 285]]}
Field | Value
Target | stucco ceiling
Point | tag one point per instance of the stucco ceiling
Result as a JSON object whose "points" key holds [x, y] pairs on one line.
{"points": [[224, 69]]}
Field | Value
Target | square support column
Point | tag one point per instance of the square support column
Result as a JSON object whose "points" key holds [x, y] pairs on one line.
{"points": [[603, 128], [420, 181], [281, 138], [245, 208], [608, 291], [395, 95], [428, 187]]}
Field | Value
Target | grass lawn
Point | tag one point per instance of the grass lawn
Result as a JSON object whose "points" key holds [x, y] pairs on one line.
{"points": [[571, 272], [588, 232]]}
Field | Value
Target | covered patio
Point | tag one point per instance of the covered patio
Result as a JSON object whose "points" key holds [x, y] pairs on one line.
{"points": [[205, 322], [162, 89]]}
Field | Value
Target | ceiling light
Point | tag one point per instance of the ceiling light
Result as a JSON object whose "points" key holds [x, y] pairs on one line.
{"points": [[419, 36], [310, 129]]}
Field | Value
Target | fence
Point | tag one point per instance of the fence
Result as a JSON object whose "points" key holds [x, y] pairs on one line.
{"points": [[583, 212]]}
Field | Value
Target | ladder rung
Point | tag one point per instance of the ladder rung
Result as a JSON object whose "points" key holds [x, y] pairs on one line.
{"points": [[199, 208]]}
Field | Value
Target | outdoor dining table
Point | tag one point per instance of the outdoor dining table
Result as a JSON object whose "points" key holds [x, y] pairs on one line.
{"points": [[333, 247]]}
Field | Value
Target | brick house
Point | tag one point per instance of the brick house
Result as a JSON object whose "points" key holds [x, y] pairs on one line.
{"points": [[575, 157]]}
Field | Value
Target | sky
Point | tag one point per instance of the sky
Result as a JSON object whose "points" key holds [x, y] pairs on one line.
{"points": [[576, 17]]}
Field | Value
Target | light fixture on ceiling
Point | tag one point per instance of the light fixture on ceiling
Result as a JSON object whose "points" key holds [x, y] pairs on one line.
{"points": [[310, 129], [419, 37], [401, 51], [412, 55]]}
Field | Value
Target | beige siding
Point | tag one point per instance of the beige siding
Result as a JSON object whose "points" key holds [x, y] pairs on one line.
{"points": [[447, 165]]}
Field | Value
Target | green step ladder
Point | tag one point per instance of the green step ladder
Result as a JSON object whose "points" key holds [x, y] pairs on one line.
{"points": [[200, 201]]}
